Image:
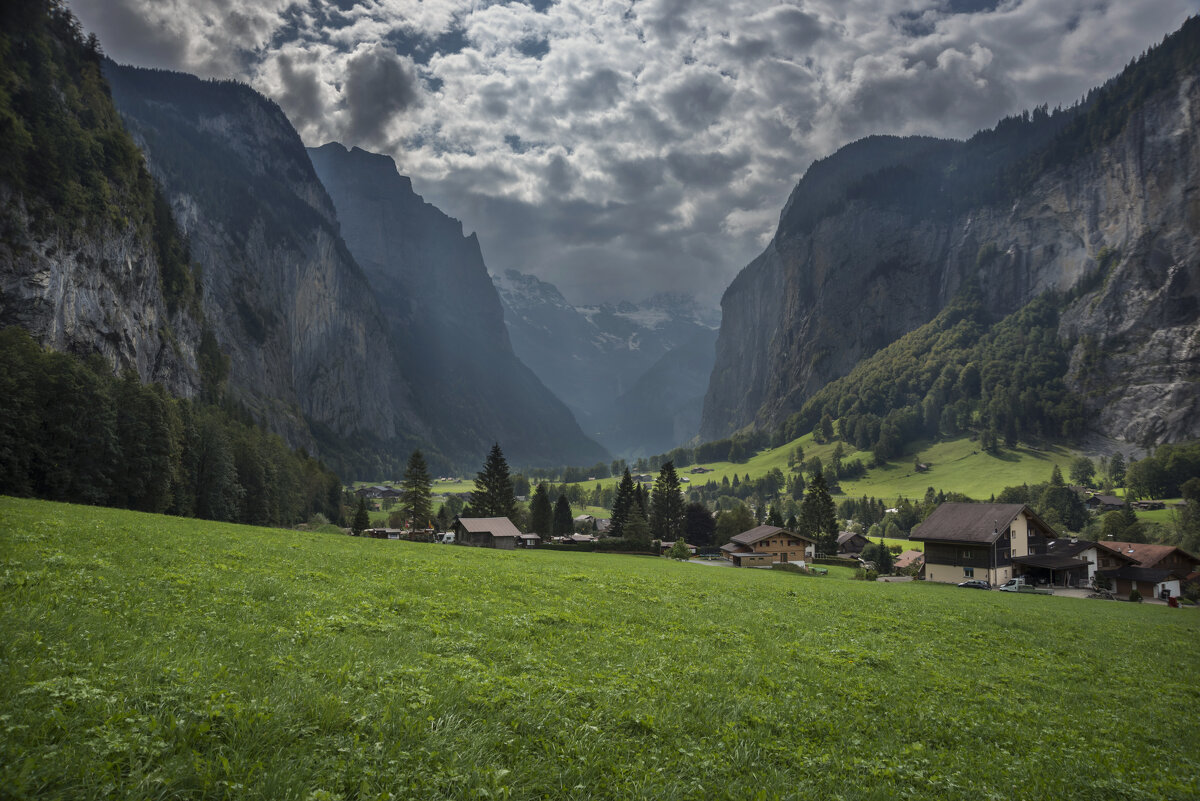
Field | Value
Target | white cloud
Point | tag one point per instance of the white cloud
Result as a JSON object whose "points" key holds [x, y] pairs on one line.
{"points": [[621, 147]]}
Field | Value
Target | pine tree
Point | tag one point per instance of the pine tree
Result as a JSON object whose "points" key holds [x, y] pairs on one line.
{"points": [[1116, 469], [666, 506], [637, 528], [883, 563], [621, 505], [639, 500], [564, 523], [493, 495], [818, 516], [774, 518], [1056, 477], [362, 521], [541, 515], [698, 524], [416, 500]]}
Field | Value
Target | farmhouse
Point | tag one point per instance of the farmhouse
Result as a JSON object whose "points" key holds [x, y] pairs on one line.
{"points": [[1153, 570], [698, 470], [982, 540], [1106, 503], [766, 545], [486, 532], [1069, 563], [377, 491], [851, 543]]}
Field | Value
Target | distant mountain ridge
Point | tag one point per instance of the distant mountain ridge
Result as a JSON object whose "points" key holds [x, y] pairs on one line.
{"points": [[594, 357], [1096, 203]]}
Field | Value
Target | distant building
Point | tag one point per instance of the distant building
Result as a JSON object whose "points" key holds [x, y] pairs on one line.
{"points": [[850, 543], [486, 532]]}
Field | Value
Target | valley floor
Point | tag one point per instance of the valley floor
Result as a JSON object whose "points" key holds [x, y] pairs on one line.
{"points": [[153, 657]]}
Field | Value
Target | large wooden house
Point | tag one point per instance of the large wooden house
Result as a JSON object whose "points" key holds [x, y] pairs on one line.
{"points": [[986, 541], [766, 545]]}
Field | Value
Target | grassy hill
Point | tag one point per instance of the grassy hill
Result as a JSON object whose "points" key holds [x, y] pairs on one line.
{"points": [[153, 657]]}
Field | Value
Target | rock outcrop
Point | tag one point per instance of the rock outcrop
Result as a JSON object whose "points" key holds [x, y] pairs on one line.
{"points": [[308, 346], [1115, 229]]}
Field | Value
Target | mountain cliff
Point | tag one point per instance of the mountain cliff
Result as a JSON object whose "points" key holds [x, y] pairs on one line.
{"points": [[445, 317], [1099, 204], [90, 261], [308, 348], [593, 356]]}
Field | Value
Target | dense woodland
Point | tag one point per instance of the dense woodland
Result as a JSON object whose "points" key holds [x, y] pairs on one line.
{"points": [[71, 431]]}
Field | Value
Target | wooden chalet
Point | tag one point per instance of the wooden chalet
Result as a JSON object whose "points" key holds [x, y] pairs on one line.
{"points": [[1069, 562], [383, 533], [486, 532], [982, 541], [1105, 503], [767, 545], [851, 543], [1155, 571]]}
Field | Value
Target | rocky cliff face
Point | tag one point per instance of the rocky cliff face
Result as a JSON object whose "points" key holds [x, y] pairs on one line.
{"points": [[593, 356], [286, 301], [445, 316], [96, 291], [1117, 229]]}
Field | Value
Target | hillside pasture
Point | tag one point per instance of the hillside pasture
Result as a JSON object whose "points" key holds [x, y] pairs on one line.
{"points": [[154, 657]]}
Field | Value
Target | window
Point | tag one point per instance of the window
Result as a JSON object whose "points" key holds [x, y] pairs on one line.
{"points": [[969, 572], [966, 554]]}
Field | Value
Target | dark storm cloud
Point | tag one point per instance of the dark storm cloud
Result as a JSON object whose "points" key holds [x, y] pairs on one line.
{"points": [[706, 169], [598, 89], [378, 86], [698, 99], [131, 36], [301, 95]]}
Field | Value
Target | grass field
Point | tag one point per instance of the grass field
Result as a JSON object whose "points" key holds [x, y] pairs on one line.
{"points": [[153, 657]]}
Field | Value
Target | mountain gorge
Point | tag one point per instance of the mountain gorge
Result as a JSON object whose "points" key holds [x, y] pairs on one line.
{"points": [[1098, 205], [633, 374], [445, 317]]}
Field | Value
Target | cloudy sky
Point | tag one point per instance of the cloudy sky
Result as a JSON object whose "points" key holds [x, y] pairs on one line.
{"points": [[622, 147]]}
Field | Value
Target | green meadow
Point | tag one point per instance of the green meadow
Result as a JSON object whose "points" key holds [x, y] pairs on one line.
{"points": [[148, 657]]}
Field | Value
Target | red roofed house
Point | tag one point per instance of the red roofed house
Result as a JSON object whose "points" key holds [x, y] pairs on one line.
{"points": [[766, 545], [1159, 570], [982, 541]]}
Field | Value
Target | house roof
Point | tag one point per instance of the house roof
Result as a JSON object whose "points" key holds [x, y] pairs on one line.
{"points": [[733, 547], [530, 537], [971, 522], [908, 558], [496, 526], [1109, 500], [1051, 561], [1153, 574], [762, 532], [846, 536], [1147, 555]]}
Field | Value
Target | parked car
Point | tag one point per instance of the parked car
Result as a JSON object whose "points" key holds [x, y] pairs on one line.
{"points": [[976, 584]]}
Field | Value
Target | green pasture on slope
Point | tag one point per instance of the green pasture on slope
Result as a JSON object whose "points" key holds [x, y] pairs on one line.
{"points": [[152, 657]]}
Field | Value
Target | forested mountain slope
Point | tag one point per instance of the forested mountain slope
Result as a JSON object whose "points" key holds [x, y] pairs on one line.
{"points": [[90, 259], [1099, 204]]}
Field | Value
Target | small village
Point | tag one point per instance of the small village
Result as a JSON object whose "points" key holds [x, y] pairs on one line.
{"points": [[1002, 546]]}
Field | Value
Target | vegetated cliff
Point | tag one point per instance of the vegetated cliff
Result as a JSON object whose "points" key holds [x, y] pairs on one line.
{"points": [[1100, 204], [309, 350], [89, 259], [592, 356], [444, 313]]}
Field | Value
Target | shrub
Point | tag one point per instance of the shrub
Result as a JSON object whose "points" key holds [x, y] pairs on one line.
{"points": [[1135, 596]]}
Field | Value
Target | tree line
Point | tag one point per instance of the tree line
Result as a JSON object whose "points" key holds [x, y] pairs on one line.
{"points": [[72, 431]]}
